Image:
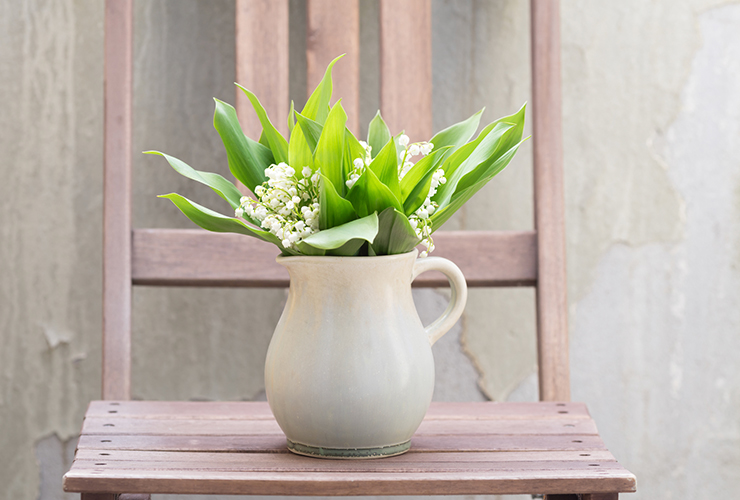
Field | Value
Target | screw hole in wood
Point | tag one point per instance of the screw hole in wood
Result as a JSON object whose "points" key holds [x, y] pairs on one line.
{"points": [[108, 425], [105, 441]]}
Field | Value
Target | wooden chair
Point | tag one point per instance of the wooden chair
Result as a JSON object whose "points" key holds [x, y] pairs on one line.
{"points": [[140, 447]]}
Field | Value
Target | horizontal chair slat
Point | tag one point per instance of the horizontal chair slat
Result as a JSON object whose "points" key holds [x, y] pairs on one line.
{"points": [[193, 257]]}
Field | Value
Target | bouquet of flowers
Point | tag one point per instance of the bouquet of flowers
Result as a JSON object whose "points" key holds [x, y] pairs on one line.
{"points": [[324, 192]]}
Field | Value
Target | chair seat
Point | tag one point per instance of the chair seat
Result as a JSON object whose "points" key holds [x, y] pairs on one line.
{"points": [[238, 448]]}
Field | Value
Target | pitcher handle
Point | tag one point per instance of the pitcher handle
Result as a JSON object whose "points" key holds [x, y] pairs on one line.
{"points": [[458, 297]]}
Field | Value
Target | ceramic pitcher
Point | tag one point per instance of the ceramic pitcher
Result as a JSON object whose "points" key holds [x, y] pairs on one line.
{"points": [[349, 371]]}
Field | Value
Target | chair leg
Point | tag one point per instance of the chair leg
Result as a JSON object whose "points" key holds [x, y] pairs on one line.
{"points": [[116, 496]]}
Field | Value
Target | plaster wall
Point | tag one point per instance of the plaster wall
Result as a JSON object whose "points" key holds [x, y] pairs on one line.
{"points": [[652, 154]]}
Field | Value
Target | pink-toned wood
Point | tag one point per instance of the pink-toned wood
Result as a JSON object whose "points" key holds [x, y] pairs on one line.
{"points": [[117, 200], [256, 410], [277, 444], [334, 29], [212, 460], [552, 303], [406, 67], [181, 257], [104, 426], [262, 62], [134, 496]]}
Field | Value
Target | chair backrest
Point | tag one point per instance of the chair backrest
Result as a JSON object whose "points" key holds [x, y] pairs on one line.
{"points": [[186, 257]]}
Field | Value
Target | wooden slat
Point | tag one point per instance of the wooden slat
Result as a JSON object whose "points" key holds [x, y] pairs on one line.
{"points": [[105, 426], [406, 67], [277, 444], [334, 29], [552, 303], [181, 257], [117, 200], [505, 481], [296, 462], [262, 62], [260, 410]]}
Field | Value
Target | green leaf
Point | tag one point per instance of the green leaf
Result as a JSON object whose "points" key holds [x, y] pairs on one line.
{"points": [[221, 186], [369, 195], [395, 234], [467, 188], [488, 169], [317, 106], [419, 193], [483, 152], [378, 134], [247, 159], [299, 152], [214, 221], [291, 117], [385, 166], [311, 131], [419, 171], [329, 152], [333, 209], [278, 144], [364, 229], [457, 134], [352, 150]]}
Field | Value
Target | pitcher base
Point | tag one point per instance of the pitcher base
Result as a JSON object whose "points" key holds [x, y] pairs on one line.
{"points": [[349, 453]]}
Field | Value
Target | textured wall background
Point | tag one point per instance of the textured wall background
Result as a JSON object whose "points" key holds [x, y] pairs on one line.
{"points": [[652, 155]]}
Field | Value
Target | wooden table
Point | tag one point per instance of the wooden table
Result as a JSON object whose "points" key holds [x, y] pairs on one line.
{"points": [[238, 448]]}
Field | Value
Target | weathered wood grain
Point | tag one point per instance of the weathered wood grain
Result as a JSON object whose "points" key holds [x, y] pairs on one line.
{"points": [[406, 67], [117, 199], [262, 62], [334, 29], [214, 460], [181, 257], [276, 443], [260, 410], [202, 427], [552, 302], [549, 479]]}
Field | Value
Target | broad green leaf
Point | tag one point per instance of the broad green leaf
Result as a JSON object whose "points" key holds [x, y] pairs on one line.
{"points": [[395, 234], [329, 152], [352, 150], [419, 171], [221, 186], [364, 229], [349, 249], [378, 134], [333, 209], [291, 118], [369, 195], [317, 106], [214, 221], [457, 134], [488, 169], [307, 249], [461, 196], [299, 152], [385, 166], [420, 191], [247, 159], [278, 144], [487, 148], [311, 131]]}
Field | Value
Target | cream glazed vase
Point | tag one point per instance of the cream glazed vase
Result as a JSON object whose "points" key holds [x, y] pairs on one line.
{"points": [[349, 371]]}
